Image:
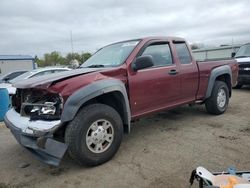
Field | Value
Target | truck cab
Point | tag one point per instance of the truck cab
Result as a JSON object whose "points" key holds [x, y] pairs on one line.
{"points": [[86, 111]]}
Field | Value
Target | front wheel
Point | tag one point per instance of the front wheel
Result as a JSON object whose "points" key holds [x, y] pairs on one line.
{"points": [[217, 103], [95, 134]]}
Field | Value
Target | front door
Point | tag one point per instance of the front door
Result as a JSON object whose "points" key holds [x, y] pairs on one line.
{"points": [[157, 87]]}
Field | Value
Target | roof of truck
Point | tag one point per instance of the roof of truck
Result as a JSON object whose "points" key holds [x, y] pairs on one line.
{"points": [[164, 38], [170, 38]]}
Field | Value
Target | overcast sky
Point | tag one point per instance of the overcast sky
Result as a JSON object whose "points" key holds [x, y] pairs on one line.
{"points": [[39, 26]]}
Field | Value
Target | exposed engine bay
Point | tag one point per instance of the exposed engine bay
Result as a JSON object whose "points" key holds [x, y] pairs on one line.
{"points": [[37, 104]]}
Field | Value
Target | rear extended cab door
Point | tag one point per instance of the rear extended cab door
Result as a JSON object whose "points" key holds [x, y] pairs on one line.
{"points": [[158, 87], [188, 72]]}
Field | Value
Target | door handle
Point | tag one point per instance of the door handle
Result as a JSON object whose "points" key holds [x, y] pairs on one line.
{"points": [[172, 72]]}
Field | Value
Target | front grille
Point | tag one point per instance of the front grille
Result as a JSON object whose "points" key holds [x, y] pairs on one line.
{"points": [[244, 68]]}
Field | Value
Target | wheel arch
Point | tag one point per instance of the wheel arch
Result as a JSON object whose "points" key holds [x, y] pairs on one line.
{"points": [[222, 73], [111, 92]]}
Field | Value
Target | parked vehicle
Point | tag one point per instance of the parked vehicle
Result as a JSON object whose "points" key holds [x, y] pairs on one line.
{"points": [[243, 59], [87, 111], [31, 74], [8, 77]]}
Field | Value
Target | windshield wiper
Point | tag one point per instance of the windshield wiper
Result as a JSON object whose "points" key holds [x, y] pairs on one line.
{"points": [[95, 66]]}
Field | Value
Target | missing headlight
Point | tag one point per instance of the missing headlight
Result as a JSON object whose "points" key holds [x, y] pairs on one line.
{"points": [[45, 107]]}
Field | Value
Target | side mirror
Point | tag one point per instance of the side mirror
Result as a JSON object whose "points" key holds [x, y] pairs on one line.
{"points": [[233, 54], [142, 62]]}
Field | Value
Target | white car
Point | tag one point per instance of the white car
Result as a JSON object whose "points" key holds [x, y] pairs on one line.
{"points": [[31, 74]]}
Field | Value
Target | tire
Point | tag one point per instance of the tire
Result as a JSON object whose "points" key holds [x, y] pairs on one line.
{"points": [[214, 104], [238, 86], [93, 120]]}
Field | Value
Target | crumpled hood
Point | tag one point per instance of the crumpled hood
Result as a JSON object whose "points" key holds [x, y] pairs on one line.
{"points": [[48, 79]]}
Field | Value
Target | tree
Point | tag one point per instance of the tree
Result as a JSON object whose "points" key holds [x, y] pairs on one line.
{"points": [[39, 62], [84, 57], [55, 58], [81, 58], [52, 59], [72, 56], [194, 46]]}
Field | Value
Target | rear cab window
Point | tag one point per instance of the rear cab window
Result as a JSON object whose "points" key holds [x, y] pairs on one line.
{"points": [[160, 52], [183, 53]]}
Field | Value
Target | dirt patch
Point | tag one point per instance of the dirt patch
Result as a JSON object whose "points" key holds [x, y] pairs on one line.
{"points": [[215, 125], [56, 171], [231, 138], [19, 185], [167, 129], [159, 182], [171, 114], [245, 130], [3, 185]]}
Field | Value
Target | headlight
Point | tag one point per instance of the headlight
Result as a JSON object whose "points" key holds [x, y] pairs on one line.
{"points": [[48, 108], [42, 107]]}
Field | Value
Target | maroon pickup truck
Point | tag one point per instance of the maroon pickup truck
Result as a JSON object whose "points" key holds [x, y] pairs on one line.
{"points": [[87, 111]]}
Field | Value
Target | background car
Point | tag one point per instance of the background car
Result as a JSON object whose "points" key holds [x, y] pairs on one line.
{"points": [[11, 75], [31, 74], [243, 59]]}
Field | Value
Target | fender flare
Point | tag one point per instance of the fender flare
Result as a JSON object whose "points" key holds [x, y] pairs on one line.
{"points": [[81, 96], [225, 69]]}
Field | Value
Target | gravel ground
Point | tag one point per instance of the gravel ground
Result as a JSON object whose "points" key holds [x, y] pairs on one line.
{"points": [[161, 151]]}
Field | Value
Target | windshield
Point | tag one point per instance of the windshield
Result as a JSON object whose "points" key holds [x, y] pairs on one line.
{"points": [[112, 55], [244, 51]]}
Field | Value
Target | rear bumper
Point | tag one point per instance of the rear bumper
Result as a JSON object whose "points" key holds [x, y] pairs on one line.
{"points": [[42, 145]]}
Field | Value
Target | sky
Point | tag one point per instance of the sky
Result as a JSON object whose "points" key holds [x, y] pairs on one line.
{"points": [[35, 27]]}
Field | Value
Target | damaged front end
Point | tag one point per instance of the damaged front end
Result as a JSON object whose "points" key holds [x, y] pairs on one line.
{"points": [[33, 120], [38, 105]]}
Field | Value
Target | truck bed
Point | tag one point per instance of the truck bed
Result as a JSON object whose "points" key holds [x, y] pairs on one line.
{"points": [[205, 69]]}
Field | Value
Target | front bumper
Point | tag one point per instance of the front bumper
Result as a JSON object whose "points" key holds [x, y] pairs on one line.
{"points": [[244, 79], [39, 141]]}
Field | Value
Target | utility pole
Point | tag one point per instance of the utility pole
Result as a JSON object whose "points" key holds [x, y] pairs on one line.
{"points": [[71, 40], [233, 49]]}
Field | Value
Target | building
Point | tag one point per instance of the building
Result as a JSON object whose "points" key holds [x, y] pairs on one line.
{"points": [[222, 52], [10, 63]]}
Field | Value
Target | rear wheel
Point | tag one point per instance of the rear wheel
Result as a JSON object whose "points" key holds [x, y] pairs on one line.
{"points": [[94, 136], [218, 101]]}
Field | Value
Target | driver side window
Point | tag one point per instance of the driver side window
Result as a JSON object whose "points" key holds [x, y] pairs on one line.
{"points": [[160, 53]]}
